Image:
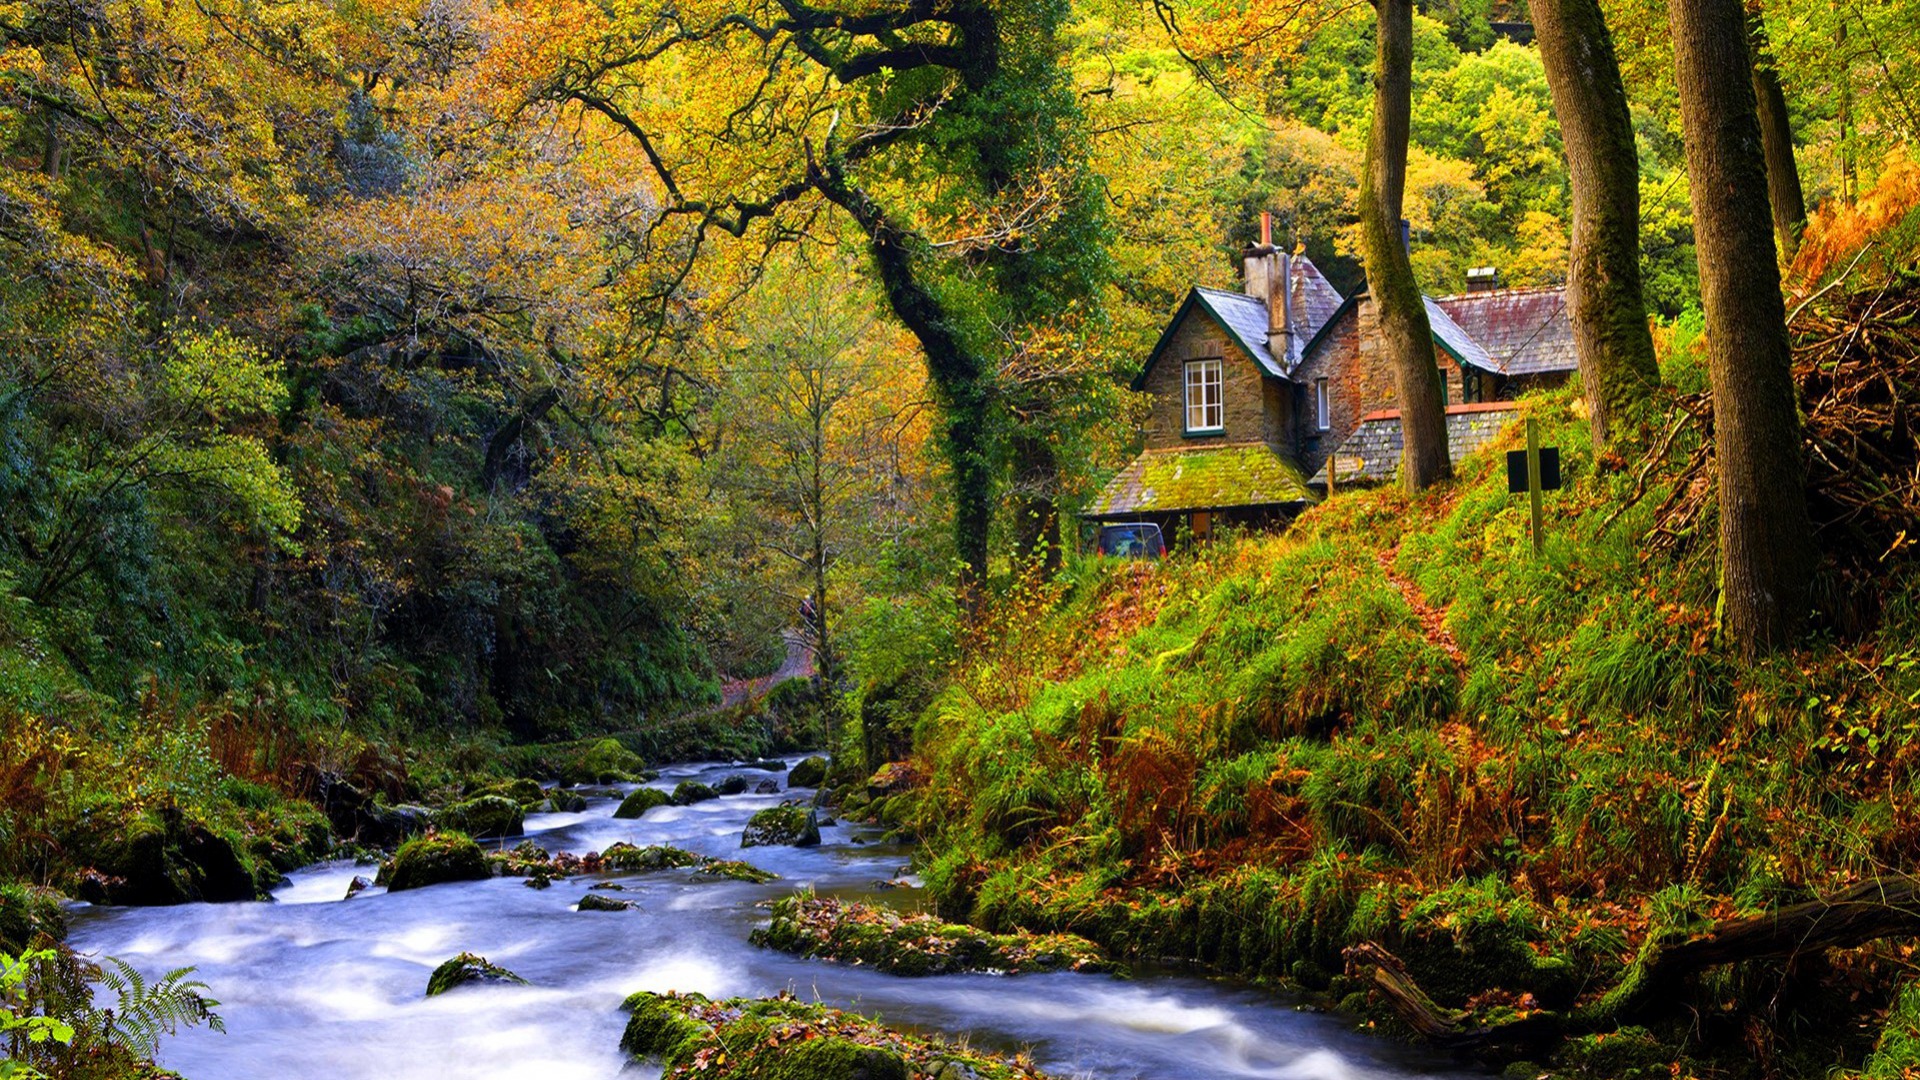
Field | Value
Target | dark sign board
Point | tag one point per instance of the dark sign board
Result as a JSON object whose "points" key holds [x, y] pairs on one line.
{"points": [[1549, 470]]}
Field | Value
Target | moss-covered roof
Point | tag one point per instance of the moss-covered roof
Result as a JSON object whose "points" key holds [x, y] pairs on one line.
{"points": [[1203, 478]]}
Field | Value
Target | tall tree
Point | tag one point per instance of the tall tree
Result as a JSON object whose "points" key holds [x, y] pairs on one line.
{"points": [[1784, 194], [1765, 548], [1404, 330], [1609, 315]]}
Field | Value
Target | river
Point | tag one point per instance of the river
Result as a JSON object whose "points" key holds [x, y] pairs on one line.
{"points": [[312, 985]]}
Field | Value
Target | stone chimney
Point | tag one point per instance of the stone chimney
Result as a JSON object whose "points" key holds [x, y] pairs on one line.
{"points": [[1269, 278], [1482, 279]]}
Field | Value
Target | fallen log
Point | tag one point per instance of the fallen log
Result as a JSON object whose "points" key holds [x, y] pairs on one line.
{"points": [[1654, 982]]}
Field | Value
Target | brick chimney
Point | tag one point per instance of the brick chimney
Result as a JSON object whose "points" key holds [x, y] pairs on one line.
{"points": [[1482, 279]]}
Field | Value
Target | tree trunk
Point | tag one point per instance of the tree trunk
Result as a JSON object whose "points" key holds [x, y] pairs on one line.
{"points": [[1404, 331], [1776, 133], [1605, 305], [1765, 549], [1037, 511]]}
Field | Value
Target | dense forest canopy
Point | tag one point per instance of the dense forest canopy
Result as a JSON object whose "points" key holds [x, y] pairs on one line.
{"points": [[393, 393]]}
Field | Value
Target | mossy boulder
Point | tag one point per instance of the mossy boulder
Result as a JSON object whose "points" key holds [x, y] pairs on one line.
{"points": [[784, 1039], [641, 801], [603, 762], [28, 913], [628, 858], [527, 793], [597, 902], [466, 969], [165, 858], [732, 785], [905, 944], [809, 773], [789, 823], [566, 802], [688, 792], [1631, 1053], [489, 816], [436, 859]]}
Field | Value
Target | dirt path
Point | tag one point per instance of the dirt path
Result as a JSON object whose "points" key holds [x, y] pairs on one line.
{"points": [[1433, 620], [798, 665]]}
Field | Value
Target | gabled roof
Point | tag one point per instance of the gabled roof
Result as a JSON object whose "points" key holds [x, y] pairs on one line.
{"points": [[1447, 334], [1246, 319], [1526, 331], [1202, 478]]}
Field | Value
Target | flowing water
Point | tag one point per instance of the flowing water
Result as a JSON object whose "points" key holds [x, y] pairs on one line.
{"points": [[313, 985]]}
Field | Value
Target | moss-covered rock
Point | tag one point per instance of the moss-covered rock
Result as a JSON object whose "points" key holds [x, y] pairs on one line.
{"points": [[902, 944], [628, 858], [566, 802], [603, 762], [527, 793], [784, 1039], [485, 817], [688, 792], [28, 913], [811, 772], [641, 801], [732, 785], [465, 969], [594, 901], [435, 859], [166, 858], [1631, 1053], [789, 823]]}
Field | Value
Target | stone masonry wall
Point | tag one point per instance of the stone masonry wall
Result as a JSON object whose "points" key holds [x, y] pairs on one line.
{"points": [[1359, 381], [1254, 410]]}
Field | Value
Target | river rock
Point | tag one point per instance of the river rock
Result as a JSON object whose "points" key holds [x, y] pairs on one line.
{"points": [[484, 817], [809, 773], [605, 762], [165, 858], [385, 826], [468, 968], [689, 792], [596, 902], [528, 793], [357, 886], [767, 764], [432, 860], [641, 801], [789, 823], [732, 785], [767, 787], [566, 802]]}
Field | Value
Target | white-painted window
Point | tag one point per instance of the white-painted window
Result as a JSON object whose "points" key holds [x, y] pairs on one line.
{"points": [[1322, 405], [1204, 409]]}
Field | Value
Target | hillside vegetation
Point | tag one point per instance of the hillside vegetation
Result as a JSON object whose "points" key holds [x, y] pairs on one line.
{"points": [[1396, 724]]}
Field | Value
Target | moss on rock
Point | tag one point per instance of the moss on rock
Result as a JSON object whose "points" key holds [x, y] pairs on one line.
{"points": [[28, 913], [597, 902], [641, 801], [901, 944], [435, 859], [784, 1039], [465, 969], [603, 762], [486, 816], [809, 773], [627, 857], [732, 785], [688, 792], [789, 823]]}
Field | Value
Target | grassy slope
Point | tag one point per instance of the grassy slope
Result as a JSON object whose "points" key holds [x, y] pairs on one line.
{"points": [[1395, 723]]}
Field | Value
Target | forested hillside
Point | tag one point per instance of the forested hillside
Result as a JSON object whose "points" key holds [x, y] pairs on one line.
{"points": [[404, 406]]}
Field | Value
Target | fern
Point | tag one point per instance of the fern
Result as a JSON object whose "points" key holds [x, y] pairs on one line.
{"points": [[147, 1011]]}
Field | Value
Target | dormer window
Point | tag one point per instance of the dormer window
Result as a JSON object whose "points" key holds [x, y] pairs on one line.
{"points": [[1205, 413]]}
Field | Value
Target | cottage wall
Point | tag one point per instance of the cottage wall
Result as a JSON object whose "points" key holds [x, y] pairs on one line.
{"points": [[1359, 381], [1254, 407]]}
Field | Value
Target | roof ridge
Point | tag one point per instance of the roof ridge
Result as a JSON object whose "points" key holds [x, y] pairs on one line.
{"points": [[1515, 291]]}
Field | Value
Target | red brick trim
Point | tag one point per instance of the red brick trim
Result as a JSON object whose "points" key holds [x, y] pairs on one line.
{"points": [[1452, 410]]}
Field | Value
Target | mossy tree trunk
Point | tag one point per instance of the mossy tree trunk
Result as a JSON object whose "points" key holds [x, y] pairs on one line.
{"points": [[1765, 549], [1404, 331], [1604, 300], [1784, 194]]}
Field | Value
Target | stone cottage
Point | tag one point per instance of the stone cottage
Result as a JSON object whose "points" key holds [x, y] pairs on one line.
{"points": [[1253, 394]]}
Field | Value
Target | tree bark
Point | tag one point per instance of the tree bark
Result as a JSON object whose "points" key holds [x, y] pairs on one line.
{"points": [[1604, 299], [1404, 332], [1765, 551], [1784, 194]]}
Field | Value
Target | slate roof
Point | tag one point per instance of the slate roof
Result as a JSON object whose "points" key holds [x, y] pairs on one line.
{"points": [[1372, 452], [1315, 301], [1525, 331], [1159, 481], [1454, 339]]}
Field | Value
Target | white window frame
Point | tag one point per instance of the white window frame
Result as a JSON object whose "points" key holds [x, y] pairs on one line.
{"points": [[1195, 377], [1322, 406]]}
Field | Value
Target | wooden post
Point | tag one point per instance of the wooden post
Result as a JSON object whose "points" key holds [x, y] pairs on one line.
{"points": [[1333, 466], [1533, 482]]}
